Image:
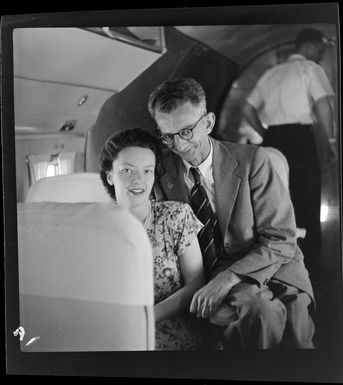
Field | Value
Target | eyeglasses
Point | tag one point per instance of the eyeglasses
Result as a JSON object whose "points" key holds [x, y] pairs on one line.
{"points": [[184, 133]]}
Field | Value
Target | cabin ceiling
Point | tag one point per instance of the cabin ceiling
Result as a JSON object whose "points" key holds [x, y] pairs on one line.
{"points": [[62, 76], [243, 43]]}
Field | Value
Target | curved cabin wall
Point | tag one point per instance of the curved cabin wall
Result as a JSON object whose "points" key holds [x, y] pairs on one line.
{"points": [[231, 126], [184, 57]]}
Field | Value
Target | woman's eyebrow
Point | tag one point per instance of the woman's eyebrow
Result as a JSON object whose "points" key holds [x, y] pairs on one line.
{"points": [[132, 165]]}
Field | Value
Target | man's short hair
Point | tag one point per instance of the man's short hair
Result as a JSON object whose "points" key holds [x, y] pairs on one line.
{"points": [[175, 92], [309, 35]]}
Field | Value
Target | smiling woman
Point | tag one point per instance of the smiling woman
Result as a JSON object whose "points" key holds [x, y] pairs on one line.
{"points": [[132, 176], [127, 167]]}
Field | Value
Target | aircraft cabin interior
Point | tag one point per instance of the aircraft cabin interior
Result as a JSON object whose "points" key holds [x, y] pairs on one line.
{"points": [[73, 87]]}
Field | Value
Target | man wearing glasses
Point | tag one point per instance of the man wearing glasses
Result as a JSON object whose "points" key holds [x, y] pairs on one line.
{"points": [[258, 288]]}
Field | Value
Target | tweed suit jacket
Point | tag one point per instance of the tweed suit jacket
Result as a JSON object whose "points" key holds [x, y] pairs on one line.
{"points": [[254, 211]]}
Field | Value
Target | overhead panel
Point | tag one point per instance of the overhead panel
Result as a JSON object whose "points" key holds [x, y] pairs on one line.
{"points": [[44, 107], [67, 74]]}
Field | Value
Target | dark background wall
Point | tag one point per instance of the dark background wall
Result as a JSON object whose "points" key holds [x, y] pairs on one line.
{"points": [[184, 57]]}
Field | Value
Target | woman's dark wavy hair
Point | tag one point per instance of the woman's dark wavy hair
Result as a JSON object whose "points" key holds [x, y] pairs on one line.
{"points": [[135, 137]]}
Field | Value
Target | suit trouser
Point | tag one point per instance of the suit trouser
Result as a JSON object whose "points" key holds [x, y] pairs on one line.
{"points": [[297, 143], [266, 317]]}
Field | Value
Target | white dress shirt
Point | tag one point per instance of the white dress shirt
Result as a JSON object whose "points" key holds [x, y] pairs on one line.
{"points": [[285, 94]]}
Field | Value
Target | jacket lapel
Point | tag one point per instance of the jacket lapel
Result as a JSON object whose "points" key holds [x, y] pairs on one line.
{"points": [[226, 183], [172, 181]]}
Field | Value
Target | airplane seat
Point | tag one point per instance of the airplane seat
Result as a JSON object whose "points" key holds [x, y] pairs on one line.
{"points": [[281, 166], [85, 278], [78, 187]]}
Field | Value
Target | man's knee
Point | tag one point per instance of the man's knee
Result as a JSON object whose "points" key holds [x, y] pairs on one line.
{"points": [[261, 319], [269, 312], [258, 303], [300, 324]]}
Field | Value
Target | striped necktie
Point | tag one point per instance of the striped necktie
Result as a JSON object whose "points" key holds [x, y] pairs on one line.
{"points": [[201, 206]]}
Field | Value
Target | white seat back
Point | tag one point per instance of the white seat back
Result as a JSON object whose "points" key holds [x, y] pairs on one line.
{"points": [[79, 187], [85, 278]]}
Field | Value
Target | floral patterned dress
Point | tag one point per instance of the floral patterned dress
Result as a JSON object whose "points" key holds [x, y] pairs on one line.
{"points": [[171, 227]]}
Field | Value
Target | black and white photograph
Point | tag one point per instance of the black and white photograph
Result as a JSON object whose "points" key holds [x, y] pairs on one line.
{"points": [[172, 193]]}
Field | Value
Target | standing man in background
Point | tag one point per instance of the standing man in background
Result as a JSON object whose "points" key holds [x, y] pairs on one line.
{"points": [[293, 96]]}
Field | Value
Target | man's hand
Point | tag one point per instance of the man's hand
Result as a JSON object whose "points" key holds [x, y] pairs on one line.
{"points": [[324, 113], [207, 300], [251, 115], [332, 153]]}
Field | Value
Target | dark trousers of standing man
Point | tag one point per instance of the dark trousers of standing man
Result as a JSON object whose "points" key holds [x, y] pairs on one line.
{"points": [[297, 143]]}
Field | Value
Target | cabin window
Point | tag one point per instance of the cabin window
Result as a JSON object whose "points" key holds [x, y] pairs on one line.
{"points": [[49, 165], [51, 171], [65, 163]]}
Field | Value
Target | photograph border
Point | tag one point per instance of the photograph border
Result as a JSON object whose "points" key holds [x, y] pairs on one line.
{"points": [[317, 366]]}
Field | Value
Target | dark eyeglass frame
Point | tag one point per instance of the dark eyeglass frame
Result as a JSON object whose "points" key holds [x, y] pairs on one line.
{"points": [[169, 139]]}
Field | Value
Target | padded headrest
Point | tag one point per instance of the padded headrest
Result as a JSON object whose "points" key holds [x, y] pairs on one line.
{"points": [[79, 187], [86, 251]]}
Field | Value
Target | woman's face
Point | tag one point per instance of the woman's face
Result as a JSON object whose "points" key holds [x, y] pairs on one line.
{"points": [[132, 175]]}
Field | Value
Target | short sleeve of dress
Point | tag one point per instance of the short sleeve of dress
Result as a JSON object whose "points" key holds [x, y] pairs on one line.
{"points": [[184, 224]]}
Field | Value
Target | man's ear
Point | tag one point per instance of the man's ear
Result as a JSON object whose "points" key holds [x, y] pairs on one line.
{"points": [[210, 121], [109, 178]]}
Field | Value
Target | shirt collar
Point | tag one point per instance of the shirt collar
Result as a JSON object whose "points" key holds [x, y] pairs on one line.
{"points": [[205, 167]]}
